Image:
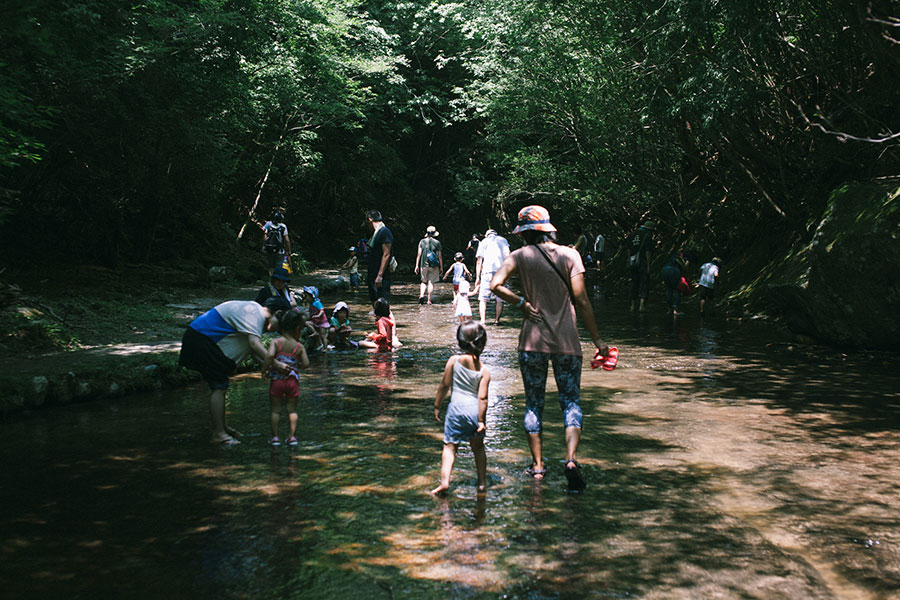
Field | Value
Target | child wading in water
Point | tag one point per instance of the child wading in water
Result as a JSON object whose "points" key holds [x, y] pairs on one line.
{"points": [[461, 301], [468, 381], [460, 272], [291, 352], [384, 339]]}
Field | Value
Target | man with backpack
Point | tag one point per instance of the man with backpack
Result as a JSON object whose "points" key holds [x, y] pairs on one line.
{"points": [[276, 243], [429, 263]]}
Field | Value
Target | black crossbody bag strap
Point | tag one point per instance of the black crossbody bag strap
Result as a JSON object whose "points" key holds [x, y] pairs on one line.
{"points": [[558, 272]]}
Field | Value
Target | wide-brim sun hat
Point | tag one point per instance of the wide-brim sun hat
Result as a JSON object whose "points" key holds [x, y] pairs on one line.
{"points": [[432, 231], [339, 306], [281, 273], [534, 218]]}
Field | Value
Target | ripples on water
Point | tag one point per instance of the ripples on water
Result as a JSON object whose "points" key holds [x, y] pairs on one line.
{"points": [[721, 461]]}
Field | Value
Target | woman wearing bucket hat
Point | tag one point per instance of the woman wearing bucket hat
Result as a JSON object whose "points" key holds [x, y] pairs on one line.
{"points": [[552, 278]]}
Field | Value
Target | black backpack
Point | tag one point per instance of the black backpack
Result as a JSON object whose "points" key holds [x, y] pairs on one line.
{"points": [[274, 239]]}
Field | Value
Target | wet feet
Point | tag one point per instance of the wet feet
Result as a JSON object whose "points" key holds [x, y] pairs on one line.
{"points": [[534, 471], [440, 490]]}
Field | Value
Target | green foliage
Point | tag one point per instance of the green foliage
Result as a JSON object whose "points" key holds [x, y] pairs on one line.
{"points": [[147, 131], [30, 331]]}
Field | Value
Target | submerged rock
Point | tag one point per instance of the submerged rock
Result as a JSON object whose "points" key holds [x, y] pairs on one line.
{"points": [[843, 288], [39, 386]]}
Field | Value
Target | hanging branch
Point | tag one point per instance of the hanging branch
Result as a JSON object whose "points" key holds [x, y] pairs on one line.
{"points": [[265, 178], [843, 136]]}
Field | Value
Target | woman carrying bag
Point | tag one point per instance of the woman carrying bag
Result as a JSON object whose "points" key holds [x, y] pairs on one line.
{"points": [[552, 278]]}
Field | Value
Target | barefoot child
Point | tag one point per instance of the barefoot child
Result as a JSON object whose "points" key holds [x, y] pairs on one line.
{"points": [[461, 301], [465, 419], [289, 350], [459, 270], [384, 339]]}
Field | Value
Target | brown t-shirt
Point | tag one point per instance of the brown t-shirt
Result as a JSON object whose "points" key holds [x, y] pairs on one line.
{"points": [[546, 291]]}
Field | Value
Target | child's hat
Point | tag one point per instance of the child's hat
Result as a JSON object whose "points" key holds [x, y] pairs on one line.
{"points": [[458, 256], [339, 306], [352, 249], [311, 290]]}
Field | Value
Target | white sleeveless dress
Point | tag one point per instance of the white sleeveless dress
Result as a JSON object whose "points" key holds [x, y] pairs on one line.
{"points": [[462, 413]]}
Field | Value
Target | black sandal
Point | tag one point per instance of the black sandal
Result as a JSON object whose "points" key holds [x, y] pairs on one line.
{"points": [[536, 473], [573, 476]]}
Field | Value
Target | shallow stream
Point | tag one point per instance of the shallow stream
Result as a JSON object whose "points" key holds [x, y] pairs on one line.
{"points": [[722, 462]]}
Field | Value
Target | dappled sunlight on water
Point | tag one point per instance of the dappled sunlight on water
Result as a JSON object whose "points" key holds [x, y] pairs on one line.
{"points": [[721, 462]]}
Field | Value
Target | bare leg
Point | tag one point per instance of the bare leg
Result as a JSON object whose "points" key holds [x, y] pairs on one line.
{"points": [[534, 442], [292, 415], [480, 461], [447, 458], [573, 436], [498, 309], [482, 309], [217, 413], [274, 414], [429, 288], [422, 290]]}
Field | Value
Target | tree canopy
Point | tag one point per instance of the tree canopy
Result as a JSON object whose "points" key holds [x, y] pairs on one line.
{"points": [[159, 128]]}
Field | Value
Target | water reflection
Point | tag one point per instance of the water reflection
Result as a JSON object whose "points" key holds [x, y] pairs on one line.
{"points": [[721, 462]]}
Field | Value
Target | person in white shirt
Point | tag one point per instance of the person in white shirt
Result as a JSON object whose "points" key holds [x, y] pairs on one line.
{"points": [[708, 273], [492, 251]]}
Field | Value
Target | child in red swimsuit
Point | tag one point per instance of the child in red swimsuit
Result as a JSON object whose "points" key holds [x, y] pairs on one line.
{"points": [[286, 386]]}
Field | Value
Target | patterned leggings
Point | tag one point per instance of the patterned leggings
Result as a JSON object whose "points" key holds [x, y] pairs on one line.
{"points": [[566, 371]]}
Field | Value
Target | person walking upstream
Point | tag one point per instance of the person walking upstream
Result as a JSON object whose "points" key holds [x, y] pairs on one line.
{"points": [[639, 263], [553, 293], [492, 251], [429, 263]]}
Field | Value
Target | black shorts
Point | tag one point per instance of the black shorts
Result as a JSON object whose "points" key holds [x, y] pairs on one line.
{"points": [[705, 292], [199, 353]]}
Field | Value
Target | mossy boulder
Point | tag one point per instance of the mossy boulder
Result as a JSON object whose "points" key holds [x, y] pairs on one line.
{"points": [[843, 288]]}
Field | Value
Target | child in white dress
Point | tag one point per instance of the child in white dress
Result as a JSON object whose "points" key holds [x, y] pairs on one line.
{"points": [[461, 302], [468, 380]]}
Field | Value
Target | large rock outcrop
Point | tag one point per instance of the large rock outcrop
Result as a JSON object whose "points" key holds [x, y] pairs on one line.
{"points": [[843, 288]]}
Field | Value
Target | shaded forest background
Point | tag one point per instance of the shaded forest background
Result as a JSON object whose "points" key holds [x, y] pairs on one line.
{"points": [[157, 130]]}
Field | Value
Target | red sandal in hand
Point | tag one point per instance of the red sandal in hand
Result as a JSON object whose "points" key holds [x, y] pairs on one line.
{"points": [[608, 362]]}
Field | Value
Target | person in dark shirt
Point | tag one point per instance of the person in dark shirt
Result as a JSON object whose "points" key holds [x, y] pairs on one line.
{"points": [[378, 276], [639, 261], [277, 288]]}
